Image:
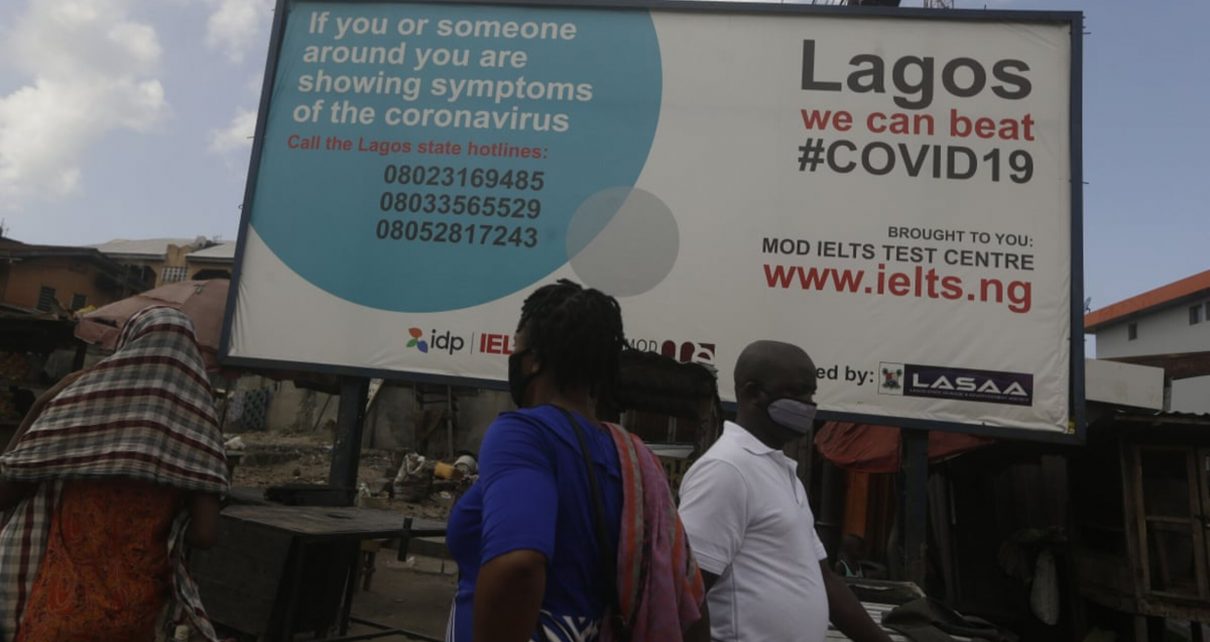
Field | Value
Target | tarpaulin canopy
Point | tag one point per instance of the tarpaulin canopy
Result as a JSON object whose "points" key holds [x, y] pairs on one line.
{"points": [[203, 301], [876, 449]]}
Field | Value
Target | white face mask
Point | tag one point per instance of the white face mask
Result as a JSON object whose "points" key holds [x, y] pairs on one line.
{"points": [[793, 415]]}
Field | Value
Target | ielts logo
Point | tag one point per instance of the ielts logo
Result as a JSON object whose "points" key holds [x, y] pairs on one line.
{"points": [[495, 343]]}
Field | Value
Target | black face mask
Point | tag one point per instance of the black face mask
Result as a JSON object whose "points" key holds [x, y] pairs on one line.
{"points": [[793, 415], [518, 382]]}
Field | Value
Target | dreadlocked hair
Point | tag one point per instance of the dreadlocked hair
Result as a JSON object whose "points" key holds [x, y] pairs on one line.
{"points": [[576, 333]]}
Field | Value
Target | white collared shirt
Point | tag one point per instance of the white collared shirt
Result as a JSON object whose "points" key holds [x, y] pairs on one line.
{"points": [[749, 522]]}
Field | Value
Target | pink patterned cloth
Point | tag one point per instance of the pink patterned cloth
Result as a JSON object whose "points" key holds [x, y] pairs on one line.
{"points": [[660, 588]]}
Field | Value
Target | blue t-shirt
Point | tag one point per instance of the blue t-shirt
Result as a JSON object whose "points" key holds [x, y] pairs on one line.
{"points": [[533, 494]]}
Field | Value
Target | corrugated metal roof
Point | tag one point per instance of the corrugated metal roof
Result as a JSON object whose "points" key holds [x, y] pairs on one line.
{"points": [[141, 247], [224, 251], [1156, 298], [1172, 419]]}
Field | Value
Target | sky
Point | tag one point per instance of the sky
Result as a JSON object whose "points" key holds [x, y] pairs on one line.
{"points": [[133, 119]]}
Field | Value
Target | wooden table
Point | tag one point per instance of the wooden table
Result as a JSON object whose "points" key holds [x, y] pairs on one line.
{"points": [[877, 606], [320, 523], [300, 528]]}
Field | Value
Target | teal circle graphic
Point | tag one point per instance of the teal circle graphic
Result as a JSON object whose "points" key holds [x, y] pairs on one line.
{"points": [[344, 206]]}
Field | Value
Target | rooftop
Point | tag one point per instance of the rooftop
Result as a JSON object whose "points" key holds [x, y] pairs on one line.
{"points": [[224, 251], [144, 247], [13, 249], [1160, 297]]}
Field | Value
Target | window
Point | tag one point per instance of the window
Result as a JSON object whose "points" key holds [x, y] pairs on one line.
{"points": [[173, 274], [46, 298], [1132, 332], [78, 301], [1195, 315]]}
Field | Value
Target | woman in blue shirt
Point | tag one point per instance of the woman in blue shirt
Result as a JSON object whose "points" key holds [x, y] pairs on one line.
{"points": [[529, 559]]}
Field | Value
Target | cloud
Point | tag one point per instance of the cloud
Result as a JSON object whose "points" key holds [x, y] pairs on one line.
{"points": [[236, 135], [236, 26], [90, 70]]}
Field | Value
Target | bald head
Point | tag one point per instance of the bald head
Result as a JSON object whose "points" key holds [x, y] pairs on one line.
{"points": [[766, 372], [763, 360]]}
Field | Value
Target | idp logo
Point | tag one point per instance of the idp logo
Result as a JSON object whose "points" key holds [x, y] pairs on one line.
{"points": [[447, 342], [417, 342]]}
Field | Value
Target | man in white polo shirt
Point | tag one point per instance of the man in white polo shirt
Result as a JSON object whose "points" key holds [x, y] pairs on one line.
{"points": [[748, 519]]}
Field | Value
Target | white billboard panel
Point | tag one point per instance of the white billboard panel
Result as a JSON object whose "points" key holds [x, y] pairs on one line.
{"points": [[894, 191]]}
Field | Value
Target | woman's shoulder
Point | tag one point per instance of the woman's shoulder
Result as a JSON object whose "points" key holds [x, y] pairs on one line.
{"points": [[548, 427], [526, 425]]}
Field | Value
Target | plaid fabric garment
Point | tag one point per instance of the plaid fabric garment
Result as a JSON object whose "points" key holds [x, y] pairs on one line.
{"points": [[145, 413], [22, 542]]}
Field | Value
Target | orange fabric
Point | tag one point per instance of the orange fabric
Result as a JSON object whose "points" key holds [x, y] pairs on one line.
{"points": [[857, 503], [105, 576], [875, 449]]}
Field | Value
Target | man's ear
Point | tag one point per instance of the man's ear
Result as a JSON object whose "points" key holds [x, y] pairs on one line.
{"points": [[749, 390]]}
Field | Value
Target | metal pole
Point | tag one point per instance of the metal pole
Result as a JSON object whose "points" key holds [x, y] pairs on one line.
{"points": [[915, 464], [346, 447], [449, 420]]}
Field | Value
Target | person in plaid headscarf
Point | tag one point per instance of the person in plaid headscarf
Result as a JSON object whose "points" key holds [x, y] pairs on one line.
{"points": [[121, 469]]}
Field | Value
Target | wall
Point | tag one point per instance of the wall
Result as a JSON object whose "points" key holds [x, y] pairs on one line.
{"points": [[1165, 331], [209, 269], [290, 409], [154, 265], [174, 256], [67, 276], [397, 421], [1191, 395]]}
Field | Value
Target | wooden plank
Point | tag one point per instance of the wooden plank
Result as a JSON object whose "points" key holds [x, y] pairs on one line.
{"points": [[1139, 510]]}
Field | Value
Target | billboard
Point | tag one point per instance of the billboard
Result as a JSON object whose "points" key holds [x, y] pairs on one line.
{"points": [[897, 191]]}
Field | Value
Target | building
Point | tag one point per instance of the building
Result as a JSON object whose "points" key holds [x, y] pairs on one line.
{"points": [[58, 279], [162, 261], [1168, 327], [214, 262]]}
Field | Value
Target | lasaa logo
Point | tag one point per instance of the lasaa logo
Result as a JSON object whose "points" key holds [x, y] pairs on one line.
{"points": [[970, 384], [966, 384], [417, 341]]}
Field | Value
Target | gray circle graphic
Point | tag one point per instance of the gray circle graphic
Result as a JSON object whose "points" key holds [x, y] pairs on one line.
{"points": [[627, 253]]}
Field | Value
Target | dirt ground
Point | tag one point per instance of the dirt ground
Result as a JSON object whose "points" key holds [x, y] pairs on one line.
{"points": [[415, 598]]}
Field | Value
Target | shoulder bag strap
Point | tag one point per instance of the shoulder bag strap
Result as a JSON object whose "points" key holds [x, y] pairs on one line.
{"points": [[605, 547]]}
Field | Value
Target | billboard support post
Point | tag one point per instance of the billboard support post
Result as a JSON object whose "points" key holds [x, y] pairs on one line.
{"points": [[915, 465], [346, 444]]}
